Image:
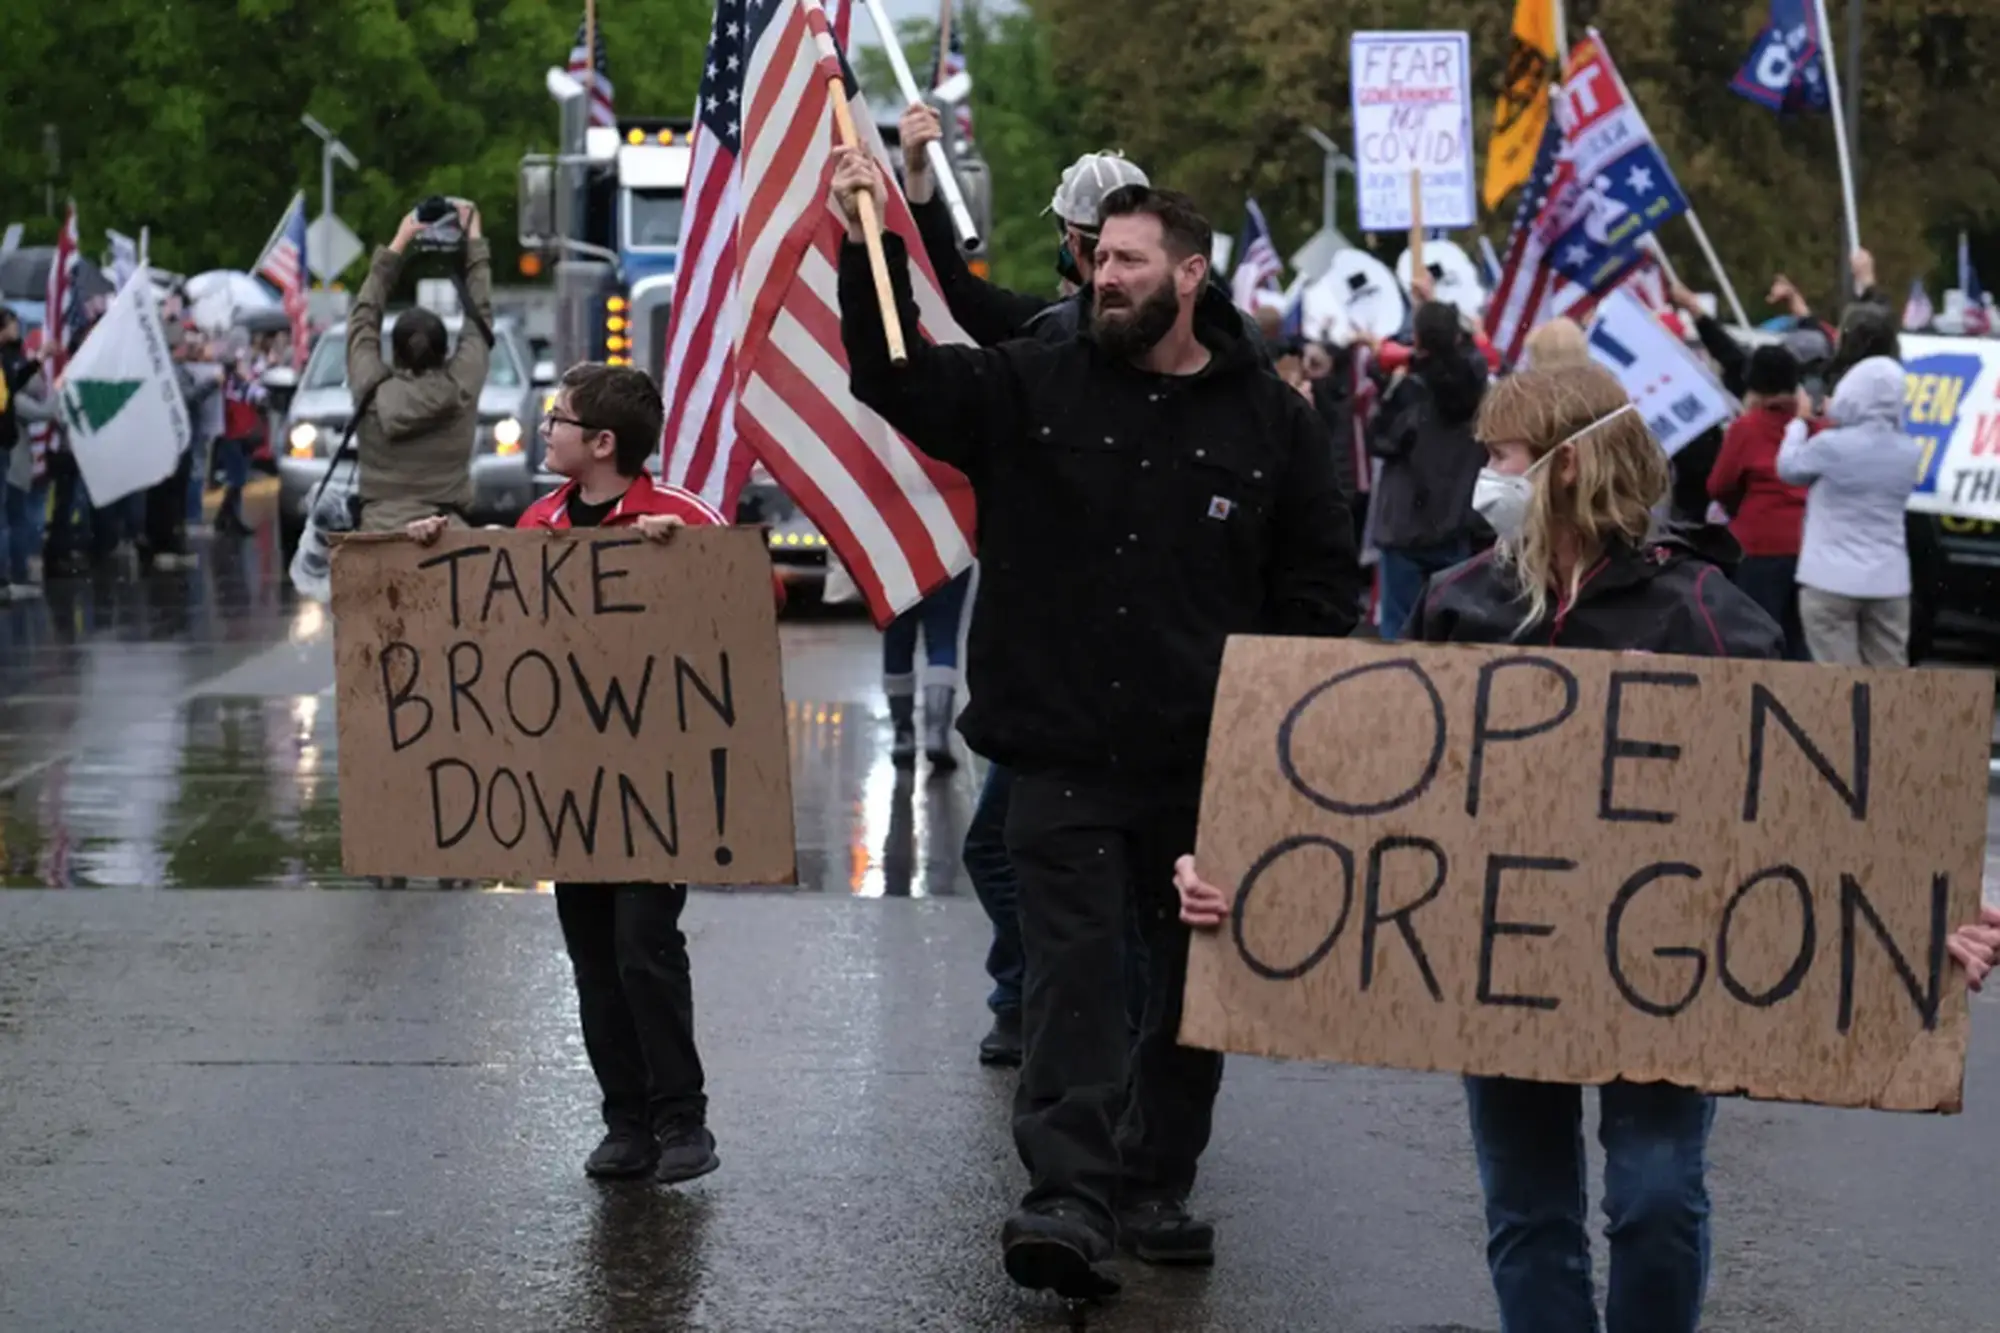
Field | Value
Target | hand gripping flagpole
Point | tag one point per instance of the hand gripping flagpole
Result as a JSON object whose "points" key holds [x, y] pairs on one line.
{"points": [[871, 228], [941, 169]]}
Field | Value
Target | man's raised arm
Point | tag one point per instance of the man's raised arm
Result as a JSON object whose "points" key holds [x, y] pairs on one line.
{"points": [[953, 402]]}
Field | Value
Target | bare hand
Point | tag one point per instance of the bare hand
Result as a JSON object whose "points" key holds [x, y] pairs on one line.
{"points": [[406, 232], [1784, 293], [660, 527], [1976, 946], [1422, 285], [1682, 297], [1862, 265], [1202, 904], [1802, 407], [426, 531], [918, 127], [856, 172]]}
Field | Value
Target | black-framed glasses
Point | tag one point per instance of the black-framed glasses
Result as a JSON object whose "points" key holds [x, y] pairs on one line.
{"points": [[553, 419]]}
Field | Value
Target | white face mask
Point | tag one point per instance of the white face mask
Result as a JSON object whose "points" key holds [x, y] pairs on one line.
{"points": [[1502, 500]]}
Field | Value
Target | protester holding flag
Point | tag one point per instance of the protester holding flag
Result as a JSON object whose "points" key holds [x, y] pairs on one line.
{"points": [[1144, 491]]}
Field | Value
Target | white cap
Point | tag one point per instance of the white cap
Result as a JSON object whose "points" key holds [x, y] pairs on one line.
{"points": [[1085, 184]]}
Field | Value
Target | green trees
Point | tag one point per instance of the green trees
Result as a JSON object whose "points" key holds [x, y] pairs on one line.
{"points": [[185, 117]]}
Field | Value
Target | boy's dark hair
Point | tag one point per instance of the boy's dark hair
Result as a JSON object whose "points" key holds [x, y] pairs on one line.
{"points": [[1773, 372], [1185, 231], [622, 400], [418, 341]]}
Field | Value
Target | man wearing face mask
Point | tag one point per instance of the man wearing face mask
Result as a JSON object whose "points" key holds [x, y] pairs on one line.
{"points": [[1144, 490]]}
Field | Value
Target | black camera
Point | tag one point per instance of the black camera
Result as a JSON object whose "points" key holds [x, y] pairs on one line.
{"points": [[444, 230]]}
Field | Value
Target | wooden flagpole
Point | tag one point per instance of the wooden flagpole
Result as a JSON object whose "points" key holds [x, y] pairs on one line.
{"points": [[944, 38], [871, 229], [590, 54]]}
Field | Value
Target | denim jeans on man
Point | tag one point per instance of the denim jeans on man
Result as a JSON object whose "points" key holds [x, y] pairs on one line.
{"points": [[26, 512], [1404, 569], [1528, 1138], [938, 615]]}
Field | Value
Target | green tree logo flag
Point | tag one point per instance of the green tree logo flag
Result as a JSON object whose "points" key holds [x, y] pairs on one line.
{"points": [[95, 403]]}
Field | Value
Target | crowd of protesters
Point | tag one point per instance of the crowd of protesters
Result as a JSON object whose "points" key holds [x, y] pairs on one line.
{"points": [[1500, 503], [50, 528]]}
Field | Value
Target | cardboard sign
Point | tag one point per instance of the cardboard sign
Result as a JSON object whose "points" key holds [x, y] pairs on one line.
{"points": [[1678, 396], [1575, 867], [582, 706], [1412, 112]]}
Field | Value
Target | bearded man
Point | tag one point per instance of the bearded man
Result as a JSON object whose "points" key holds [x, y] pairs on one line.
{"points": [[1144, 490]]}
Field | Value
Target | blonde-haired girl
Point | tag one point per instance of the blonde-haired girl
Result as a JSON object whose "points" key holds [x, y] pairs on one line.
{"points": [[1570, 486]]}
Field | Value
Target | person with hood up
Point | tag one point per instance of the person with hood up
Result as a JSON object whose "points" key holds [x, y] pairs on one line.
{"points": [[1854, 558], [1423, 515], [421, 421], [1143, 491]]}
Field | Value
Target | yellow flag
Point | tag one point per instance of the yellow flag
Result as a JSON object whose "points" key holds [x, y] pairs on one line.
{"points": [[1522, 112]]}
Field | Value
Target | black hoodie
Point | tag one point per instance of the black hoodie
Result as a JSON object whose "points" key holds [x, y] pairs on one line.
{"points": [[1430, 460], [1671, 595], [1128, 524]]}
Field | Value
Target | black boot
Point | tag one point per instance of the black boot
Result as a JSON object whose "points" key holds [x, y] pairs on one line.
{"points": [[1057, 1250], [1160, 1231], [903, 716], [937, 726], [1002, 1045], [624, 1155]]}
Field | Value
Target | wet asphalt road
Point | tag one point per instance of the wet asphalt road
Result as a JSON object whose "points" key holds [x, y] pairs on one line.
{"points": [[342, 1108]]}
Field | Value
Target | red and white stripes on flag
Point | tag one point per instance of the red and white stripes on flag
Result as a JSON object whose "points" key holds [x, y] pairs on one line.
{"points": [[283, 265], [593, 72], [60, 308], [755, 370]]}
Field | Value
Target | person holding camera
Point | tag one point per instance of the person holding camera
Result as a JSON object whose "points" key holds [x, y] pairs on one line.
{"points": [[420, 418]]}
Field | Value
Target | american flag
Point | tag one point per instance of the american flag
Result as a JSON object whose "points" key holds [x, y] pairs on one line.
{"points": [[62, 312], [952, 65], [1260, 266], [755, 370], [1917, 311], [1521, 300], [283, 265], [594, 74]]}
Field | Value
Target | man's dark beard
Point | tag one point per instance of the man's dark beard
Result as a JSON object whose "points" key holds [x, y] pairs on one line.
{"points": [[1134, 331]]}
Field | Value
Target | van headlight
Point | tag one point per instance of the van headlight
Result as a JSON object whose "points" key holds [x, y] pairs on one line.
{"points": [[304, 440], [507, 436]]}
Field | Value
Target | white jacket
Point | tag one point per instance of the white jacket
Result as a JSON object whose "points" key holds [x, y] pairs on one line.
{"points": [[1860, 474]]}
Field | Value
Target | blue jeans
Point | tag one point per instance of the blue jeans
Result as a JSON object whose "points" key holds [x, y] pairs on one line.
{"points": [[1529, 1141], [992, 873], [197, 482], [938, 615], [1404, 569], [25, 513]]}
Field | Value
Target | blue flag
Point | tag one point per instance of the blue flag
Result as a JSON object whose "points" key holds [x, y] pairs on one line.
{"points": [[1786, 69]]}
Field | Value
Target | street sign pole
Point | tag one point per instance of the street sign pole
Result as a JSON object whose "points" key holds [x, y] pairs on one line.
{"points": [[330, 148]]}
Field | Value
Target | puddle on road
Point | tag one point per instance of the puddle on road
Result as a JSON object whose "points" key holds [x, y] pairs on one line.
{"points": [[243, 792]]}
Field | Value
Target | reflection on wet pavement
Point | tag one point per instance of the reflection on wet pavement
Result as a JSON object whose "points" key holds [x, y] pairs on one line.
{"points": [[177, 730]]}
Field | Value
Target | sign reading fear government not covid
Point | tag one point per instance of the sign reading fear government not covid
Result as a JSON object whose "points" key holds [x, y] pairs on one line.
{"points": [[1576, 867], [582, 706]]}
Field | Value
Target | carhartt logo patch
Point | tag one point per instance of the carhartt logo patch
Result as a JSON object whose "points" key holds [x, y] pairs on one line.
{"points": [[1218, 507]]}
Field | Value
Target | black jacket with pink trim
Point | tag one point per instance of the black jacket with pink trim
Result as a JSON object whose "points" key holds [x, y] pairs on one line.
{"points": [[1671, 595]]}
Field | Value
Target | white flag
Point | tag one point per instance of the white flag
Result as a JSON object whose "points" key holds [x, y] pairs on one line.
{"points": [[124, 257], [121, 400]]}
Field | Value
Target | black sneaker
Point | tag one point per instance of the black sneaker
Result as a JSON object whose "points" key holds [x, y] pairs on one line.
{"points": [[1002, 1046], [1160, 1231], [1057, 1251], [686, 1153], [624, 1155]]}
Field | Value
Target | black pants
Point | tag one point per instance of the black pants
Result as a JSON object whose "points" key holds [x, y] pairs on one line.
{"points": [[1081, 854], [635, 996], [166, 510], [1771, 582]]}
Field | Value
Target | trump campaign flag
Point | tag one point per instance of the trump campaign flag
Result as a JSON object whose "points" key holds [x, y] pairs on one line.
{"points": [[1785, 69], [1614, 186]]}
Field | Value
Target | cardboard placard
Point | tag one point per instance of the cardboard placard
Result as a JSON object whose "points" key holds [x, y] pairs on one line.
{"points": [[583, 706], [1580, 866]]}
